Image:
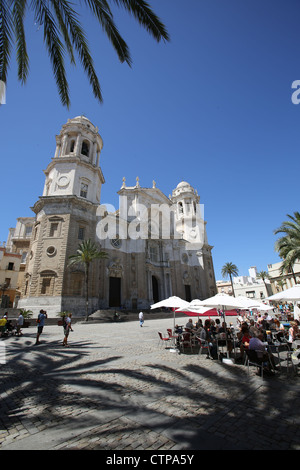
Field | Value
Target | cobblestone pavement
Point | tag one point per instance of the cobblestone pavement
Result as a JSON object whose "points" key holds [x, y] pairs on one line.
{"points": [[117, 388]]}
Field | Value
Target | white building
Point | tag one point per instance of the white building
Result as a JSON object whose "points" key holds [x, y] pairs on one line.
{"points": [[157, 245]]}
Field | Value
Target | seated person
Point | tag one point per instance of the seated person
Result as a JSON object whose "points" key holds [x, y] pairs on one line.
{"points": [[256, 344], [253, 330], [190, 325], [293, 332], [245, 340], [178, 329], [227, 337], [205, 335]]}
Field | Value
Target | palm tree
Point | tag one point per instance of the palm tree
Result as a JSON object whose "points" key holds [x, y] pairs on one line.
{"points": [[288, 246], [86, 253], [230, 269], [281, 284], [63, 33], [263, 275]]}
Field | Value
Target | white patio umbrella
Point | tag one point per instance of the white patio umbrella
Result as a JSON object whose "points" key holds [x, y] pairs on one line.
{"points": [[289, 295], [194, 307], [252, 303], [222, 301], [263, 307], [172, 302], [292, 294]]}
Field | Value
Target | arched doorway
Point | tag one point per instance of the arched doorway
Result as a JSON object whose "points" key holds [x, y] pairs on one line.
{"points": [[114, 291], [155, 290]]}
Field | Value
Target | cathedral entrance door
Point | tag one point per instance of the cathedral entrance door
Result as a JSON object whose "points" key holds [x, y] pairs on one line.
{"points": [[155, 289], [188, 295], [114, 291]]}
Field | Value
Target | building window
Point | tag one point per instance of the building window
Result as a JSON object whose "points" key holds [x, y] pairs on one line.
{"points": [[46, 284], [85, 148], [54, 229], [180, 208], [250, 294], [51, 251], [83, 190], [28, 231], [154, 254], [81, 233], [10, 266], [72, 146], [116, 242]]}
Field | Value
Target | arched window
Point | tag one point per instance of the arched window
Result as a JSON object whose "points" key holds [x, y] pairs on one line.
{"points": [[47, 280], [85, 147], [72, 145], [83, 189]]}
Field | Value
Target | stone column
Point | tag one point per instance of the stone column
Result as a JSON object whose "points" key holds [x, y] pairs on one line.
{"points": [[58, 147], [77, 145], [94, 154], [64, 144]]}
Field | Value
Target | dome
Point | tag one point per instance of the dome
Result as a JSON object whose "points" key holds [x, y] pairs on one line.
{"points": [[183, 184], [82, 120], [182, 188]]}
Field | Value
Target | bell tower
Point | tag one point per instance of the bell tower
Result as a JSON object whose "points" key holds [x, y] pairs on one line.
{"points": [[65, 216], [75, 170]]}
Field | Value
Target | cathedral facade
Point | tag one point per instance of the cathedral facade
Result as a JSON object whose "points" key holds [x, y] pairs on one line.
{"points": [[156, 245]]}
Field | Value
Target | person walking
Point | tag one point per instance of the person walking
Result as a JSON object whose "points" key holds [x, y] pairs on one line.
{"points": [[20, 323], [141, 318], [40, 324], [67, 324]]}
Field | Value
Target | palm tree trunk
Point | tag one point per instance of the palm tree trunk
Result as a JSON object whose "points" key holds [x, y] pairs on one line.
{"points": [[232, 286], [293, 275], [86, 291]]}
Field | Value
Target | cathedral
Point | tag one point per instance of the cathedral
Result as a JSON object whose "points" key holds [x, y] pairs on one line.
{"points": [[156, 245]]}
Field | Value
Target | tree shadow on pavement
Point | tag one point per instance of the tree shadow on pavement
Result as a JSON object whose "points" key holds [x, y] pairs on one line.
{"points": [[194, 405]]}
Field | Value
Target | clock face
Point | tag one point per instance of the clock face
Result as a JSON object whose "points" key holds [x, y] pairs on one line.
{"points": [[63, 182]]}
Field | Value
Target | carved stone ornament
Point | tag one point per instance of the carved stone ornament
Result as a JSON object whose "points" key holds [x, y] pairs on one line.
{"points": [[115, 269]]}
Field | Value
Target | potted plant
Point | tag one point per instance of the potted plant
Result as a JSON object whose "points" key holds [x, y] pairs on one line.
{"points": [[26, 315]]}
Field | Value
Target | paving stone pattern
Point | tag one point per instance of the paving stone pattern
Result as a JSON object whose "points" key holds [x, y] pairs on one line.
{"points": [[117, 388]]}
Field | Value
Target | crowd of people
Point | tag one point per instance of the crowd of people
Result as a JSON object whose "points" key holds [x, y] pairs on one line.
{"points": [[252, 332], [8, 327]]}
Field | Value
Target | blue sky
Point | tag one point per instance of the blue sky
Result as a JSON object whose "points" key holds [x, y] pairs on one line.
{"points": [[212, 107]]}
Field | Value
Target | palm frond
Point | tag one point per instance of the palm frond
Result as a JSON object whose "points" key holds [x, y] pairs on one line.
{"points": [[64, 14], [103, 13], [18, 13], [55, 48], [80, 43], [63, 33], [6, 34], [143, 13]]}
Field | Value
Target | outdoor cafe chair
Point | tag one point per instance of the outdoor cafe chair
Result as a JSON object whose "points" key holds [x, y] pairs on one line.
{"points": [[163, 339], [170, 333], [185, 341], [252, 358], [203, 344]]}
